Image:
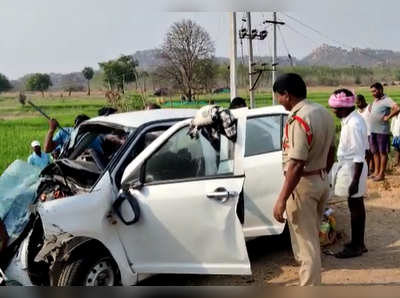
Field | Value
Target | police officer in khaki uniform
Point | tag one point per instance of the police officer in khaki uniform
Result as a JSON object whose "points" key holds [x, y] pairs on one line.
{"points": [[308, 155]]}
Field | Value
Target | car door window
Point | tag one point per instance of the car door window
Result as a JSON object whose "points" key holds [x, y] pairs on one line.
{"points": [[145, 140], [263, 135], [181, 157]]}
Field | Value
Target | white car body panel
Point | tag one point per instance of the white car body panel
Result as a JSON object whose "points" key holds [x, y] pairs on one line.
{"points": [[91, 212], [264, 180], [198, 235], [90, 220], [213, 242]]}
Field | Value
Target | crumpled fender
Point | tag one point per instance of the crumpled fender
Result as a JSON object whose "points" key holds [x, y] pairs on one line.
{"points": [[60, 247], [70, 222]]}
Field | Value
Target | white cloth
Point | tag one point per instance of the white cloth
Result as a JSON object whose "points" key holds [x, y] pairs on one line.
{"points": [[35, 144], [351, 150], [395, 126], [366, 115]]}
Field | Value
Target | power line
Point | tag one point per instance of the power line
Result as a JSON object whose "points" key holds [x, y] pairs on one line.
{"points": [[219, 29], [304, 37], [336, 41], [286, 47], [316, 31]]}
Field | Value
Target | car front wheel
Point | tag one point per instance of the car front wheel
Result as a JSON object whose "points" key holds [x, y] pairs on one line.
{"points": [[88, 270]]}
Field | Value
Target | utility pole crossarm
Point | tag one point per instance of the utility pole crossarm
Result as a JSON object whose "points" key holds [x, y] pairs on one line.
{"points": [[274, 22]]}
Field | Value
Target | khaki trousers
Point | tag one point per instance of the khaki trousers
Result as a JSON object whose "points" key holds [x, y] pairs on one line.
{"points": [[304, 211]]}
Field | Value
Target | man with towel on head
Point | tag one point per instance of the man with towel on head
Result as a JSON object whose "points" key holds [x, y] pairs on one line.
{"points": [[350, 176]]}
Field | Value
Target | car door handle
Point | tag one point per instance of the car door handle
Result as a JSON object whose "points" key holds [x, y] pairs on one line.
{"points": [[222, 195]]}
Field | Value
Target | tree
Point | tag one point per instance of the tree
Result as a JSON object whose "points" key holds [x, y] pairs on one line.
{"points": [[5, 84], [38, 82], [186, 46], [144, 74], [72, 82], [119, 72], [88, 73], [207, 70], [225, 73], [72, 87]]}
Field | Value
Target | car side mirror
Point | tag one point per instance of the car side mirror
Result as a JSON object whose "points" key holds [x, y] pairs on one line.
{"points": [[126, 206]]}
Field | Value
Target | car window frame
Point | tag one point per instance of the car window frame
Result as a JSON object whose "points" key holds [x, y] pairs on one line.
{"points": [[148, 128], [184, 180], [134, 137], [282, 127]]}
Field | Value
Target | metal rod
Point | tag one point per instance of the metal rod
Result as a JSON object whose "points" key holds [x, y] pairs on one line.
{"points": [[252, 99], [233, 55], [45, 115]]}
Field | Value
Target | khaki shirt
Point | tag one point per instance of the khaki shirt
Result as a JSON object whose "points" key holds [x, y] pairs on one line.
{"points": [[322, 126]]}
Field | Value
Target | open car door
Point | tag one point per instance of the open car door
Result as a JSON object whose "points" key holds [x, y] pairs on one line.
{"points": [[187, 196]]}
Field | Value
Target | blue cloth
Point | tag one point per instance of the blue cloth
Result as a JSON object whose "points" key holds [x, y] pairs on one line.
{"points": [[57, 148], [18, 184], [41, 161], [62, 137], [396, 143]]}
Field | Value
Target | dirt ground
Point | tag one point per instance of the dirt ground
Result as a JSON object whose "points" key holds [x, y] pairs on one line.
{"points": [[273, 263]]}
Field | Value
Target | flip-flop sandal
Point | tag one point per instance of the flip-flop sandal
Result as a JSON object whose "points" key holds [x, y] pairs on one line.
{"points": [[348, 253], [364, 250], [329, 252]]}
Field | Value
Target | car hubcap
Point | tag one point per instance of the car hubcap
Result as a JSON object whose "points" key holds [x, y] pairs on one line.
{"points": [[102, 274]]}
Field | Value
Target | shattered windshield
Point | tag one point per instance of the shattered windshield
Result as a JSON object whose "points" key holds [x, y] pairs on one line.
{"points": [[18, 186]]}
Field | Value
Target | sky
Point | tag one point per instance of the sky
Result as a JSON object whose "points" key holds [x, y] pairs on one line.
{"points": [[65, 36]]}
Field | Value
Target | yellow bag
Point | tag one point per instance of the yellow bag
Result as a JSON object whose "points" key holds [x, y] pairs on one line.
{"points": [[327, 231]]}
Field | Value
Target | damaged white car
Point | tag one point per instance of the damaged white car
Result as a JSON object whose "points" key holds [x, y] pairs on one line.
{"points": [[164, 203]]}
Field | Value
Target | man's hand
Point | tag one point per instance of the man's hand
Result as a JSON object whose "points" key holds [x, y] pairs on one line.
{"points": [[279, 210], [53, 124], [386, 118], [353, 188]]}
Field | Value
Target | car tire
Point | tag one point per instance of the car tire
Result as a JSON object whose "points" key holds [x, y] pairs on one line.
{"points": [[89, 269]]}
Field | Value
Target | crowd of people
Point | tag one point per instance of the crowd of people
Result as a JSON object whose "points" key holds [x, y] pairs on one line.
{"points": [[309, 148]]}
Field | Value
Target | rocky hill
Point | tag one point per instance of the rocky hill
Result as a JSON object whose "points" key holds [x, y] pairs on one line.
{"points": [[325, 55], [339, 57]]}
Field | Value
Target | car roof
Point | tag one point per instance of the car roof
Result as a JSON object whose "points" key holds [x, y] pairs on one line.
{"points": [[138, 118], [267, 110]]}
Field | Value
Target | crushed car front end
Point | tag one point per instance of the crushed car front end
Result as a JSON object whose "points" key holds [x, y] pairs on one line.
{"points": [[37, 248]]}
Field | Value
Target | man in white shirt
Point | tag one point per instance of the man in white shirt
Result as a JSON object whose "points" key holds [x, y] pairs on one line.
{"points": [[350, 179], [363, 108]]}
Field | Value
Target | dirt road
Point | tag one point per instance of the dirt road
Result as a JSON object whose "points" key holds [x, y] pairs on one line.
{"points": [[273, 263]]}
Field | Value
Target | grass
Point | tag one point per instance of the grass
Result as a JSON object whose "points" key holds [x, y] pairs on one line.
{"points": [[20, 125]]}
